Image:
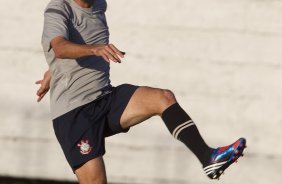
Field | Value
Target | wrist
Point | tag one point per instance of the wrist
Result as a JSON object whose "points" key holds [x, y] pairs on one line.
{"points": [[92, 50]]}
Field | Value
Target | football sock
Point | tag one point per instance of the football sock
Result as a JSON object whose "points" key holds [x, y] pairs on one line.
{"points": [[182, 127]]}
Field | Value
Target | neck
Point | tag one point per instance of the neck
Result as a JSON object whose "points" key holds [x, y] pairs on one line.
{"points": [[84, 4]]}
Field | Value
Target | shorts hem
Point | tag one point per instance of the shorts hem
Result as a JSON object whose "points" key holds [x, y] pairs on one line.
{"points": [[78, 165]]}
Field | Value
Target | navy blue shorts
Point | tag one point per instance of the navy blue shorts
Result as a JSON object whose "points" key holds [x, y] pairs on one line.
{"points": [[82, 131]]}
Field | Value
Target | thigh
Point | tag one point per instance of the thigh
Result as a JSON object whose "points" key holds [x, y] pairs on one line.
{"points": [[145, 103], [92, 172], [80, 133]]}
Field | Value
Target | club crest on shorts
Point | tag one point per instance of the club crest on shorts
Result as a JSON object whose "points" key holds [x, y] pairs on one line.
{"points": [[85, 148]]}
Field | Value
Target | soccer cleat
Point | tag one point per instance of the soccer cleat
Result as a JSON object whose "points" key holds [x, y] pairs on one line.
{"points": [[223, 157]]}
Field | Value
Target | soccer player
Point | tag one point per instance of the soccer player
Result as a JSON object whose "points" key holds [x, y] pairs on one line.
{"points": [[86, 109]]}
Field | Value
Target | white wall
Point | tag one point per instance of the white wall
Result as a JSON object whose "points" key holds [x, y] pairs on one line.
{"points": [[222, 58]]}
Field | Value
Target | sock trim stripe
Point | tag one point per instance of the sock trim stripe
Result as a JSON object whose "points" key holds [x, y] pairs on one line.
{"points": [[182, 126], [179, 126], [180, 130]]}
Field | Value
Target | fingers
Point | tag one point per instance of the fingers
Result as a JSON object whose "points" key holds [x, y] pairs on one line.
{"points": [[111, 56], [40, 97], [105, 58], [110, 53], [44, 86], [118, 52], [38, 82], [41, 92]]}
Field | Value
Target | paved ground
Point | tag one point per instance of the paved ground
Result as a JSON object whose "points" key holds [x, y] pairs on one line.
{"points": [[221, 58]]}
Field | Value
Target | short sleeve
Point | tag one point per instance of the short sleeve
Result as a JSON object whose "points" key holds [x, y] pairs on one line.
{"points": [[55, 24]]}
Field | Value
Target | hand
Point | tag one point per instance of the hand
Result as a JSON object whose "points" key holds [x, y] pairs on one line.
{"points": [[108, 52], [45, 85]]}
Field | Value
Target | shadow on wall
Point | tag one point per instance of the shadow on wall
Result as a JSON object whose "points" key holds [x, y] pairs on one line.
{"points": [[9, 180], [13, 180]]}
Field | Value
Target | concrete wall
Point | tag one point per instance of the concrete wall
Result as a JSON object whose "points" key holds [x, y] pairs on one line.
{"points": [[222, 58]]}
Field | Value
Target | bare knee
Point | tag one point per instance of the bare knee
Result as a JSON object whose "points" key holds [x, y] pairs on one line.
{"points": [[167, 99]]}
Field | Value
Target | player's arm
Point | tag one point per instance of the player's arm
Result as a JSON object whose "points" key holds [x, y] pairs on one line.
{"points": [[65, 49], [44, 85], [56, 36]]}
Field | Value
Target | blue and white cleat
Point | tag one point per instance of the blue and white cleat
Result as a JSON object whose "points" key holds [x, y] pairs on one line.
{"points": [[223, 157]]}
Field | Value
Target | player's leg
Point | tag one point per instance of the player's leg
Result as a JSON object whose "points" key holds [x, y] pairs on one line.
{"points": [[92, 172], [147, 102], [80, 133]]}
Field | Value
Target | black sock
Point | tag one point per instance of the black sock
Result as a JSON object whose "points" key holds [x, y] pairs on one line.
{"points": [[184, 129]]}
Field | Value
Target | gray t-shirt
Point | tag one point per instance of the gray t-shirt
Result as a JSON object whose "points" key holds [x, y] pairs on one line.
{"points": [[75, 82]]}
